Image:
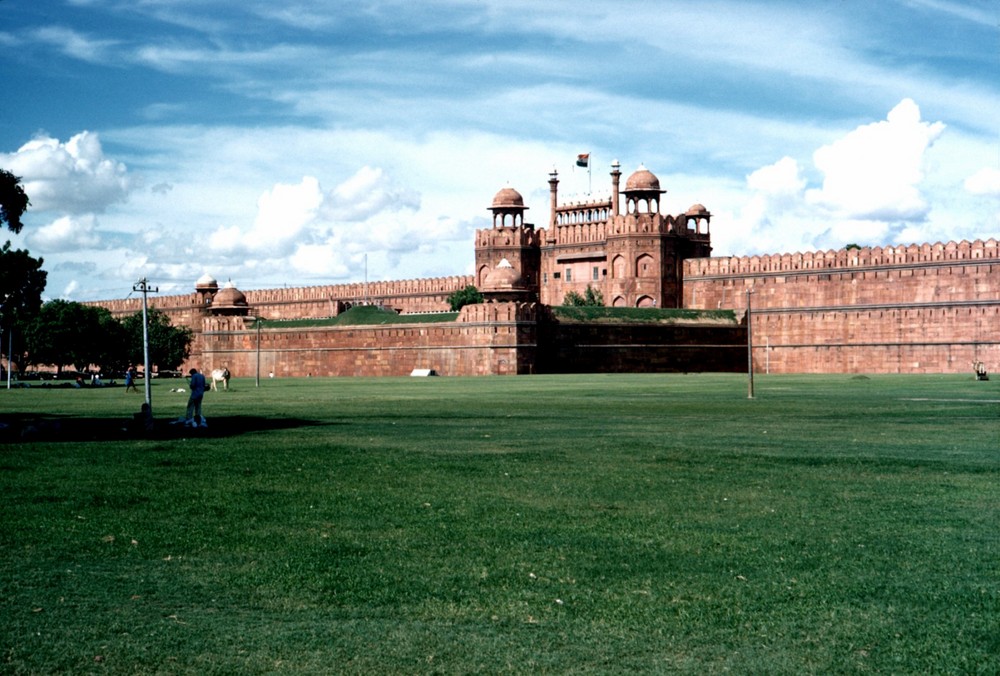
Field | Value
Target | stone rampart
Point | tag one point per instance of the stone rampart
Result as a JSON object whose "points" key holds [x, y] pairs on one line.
{"points": [[843, 258], [495, 339], [906, 309], [310, 302], [485, 339]]}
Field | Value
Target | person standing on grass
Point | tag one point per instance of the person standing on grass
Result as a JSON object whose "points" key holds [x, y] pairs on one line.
{"points": [[197, 387], [130, 379]]}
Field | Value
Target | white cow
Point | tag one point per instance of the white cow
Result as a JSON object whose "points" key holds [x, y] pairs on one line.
{"points": [[220, 376]]}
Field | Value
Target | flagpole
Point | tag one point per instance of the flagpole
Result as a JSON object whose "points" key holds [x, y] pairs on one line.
{"points": [[590, 184]]}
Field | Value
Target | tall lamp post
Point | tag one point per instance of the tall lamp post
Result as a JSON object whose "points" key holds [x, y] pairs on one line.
{"points": [[257, 322], [143, 286], [749, 346]]}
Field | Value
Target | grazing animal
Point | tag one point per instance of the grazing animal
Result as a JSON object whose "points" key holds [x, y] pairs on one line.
{"points": [[220, 376]]}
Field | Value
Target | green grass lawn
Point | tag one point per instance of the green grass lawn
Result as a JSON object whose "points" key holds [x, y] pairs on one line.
{"points": [[584, 524]]}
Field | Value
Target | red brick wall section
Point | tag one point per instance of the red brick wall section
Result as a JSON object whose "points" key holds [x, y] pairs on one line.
{"points": [[916, 309], [491, 339], [409, 295]]}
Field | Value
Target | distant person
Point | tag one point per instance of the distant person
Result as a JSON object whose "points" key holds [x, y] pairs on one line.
{"points": [[130, 379], [197, 387]]}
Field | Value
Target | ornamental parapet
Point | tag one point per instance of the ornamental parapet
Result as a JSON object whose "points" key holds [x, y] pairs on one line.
{"points": [[495, 313], [865, 257]]}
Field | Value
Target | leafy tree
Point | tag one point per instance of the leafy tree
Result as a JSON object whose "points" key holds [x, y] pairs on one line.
{"points": [[470, 295], [65, 333], [13, 201], [169, 345], [112, 354], [22, 282], [592, 297]]}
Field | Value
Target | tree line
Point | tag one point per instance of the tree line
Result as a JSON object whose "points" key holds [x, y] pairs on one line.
{"points": [[64, 333]]}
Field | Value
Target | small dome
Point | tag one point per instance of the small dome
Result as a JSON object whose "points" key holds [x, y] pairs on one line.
{"points": [[642, 179], [698, 211], [503, 276], [506, 198], [206, 281], [229, 297]]}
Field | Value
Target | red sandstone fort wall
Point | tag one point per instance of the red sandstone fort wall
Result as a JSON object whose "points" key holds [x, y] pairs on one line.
{"points": [[492, 339], [918, 309], [308, 302]]}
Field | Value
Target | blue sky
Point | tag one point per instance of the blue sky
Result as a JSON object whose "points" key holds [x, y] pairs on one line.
{"points": [[287, 143]]}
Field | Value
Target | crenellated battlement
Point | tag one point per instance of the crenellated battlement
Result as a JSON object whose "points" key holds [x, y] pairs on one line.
{"points": [[359, 291], [121, 307], [506, 236], [849, 259]]}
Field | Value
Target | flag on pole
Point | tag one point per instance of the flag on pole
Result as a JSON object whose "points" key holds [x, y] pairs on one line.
{"points": [[583, 160]]}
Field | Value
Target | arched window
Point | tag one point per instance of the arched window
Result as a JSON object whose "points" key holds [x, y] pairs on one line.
{"points": [[645, 266], [618, 267]]}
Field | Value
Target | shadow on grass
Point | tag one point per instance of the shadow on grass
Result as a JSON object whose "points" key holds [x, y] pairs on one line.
{"points": [[20, 428]]}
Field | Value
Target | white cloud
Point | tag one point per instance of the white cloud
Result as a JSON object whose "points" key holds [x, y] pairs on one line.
{"points": [[72, 178], [984, 182], [284, 213], [66, 233], [367, 193], [780, 178], [314, 228], [873, 191], [319, 260], [875, 171]]}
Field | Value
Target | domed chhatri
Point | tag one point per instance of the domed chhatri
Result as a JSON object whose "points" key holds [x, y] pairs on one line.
{"points": [[508, 197], [504, 284], [206, 282], [643, 180], [229, 300], [503, 276], [642, 191], [508, 208]]}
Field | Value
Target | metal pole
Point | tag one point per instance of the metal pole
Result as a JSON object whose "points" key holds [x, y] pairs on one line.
{"points": [[749, 346], [258, 351], [10, 352], [143, 286]]}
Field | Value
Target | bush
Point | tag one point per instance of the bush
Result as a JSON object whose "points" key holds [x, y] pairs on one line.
{"points": [[591, 298], [470, 295]]}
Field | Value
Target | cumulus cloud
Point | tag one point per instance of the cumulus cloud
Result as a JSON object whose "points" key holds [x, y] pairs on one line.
{"points": [[781, 178], [875, 171], [369, 192], [984, 182], [74, 177], [872, 190], [66, 233], [318, 232]]}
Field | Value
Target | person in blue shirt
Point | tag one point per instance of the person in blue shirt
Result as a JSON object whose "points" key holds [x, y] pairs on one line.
{"points": [[193, 418], [130, 379]]}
